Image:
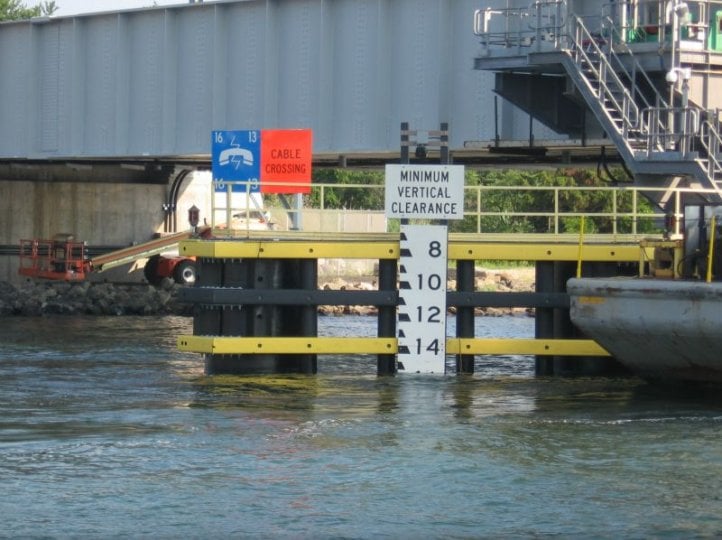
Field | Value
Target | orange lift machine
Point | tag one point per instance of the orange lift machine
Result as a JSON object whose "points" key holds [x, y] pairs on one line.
{"points": [[64, 258]]}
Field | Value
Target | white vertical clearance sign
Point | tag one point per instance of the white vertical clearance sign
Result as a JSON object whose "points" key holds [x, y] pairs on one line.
{"points": [[421, 324], [423, 192]]}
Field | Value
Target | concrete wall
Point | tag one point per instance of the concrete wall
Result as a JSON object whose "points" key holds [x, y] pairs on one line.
{"points": [[125, 214], [100, 214], [351, 221]]}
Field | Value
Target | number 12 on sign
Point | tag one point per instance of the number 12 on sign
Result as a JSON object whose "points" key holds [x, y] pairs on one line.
{"points": [[422, 299]]}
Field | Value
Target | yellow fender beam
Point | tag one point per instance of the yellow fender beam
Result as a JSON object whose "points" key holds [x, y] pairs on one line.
{"points": [[326, 345], [508, 251]]}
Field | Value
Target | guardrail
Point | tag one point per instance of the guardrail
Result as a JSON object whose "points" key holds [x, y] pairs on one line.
{"points": [[612, 211], [541, 21]]}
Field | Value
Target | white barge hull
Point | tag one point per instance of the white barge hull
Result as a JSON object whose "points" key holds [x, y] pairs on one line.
{"points": [[662, 330]]}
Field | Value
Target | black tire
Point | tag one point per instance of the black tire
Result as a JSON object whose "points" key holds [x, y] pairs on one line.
{"points": [[150, 270], [185, 273]]}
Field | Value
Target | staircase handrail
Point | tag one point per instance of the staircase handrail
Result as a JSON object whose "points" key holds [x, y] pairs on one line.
{"points": [[663, 137], [628, 108], [711, 141], [618, 43]]}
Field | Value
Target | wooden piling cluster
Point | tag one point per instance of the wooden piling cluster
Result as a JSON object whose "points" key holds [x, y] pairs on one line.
{"points": [[256, 302]]}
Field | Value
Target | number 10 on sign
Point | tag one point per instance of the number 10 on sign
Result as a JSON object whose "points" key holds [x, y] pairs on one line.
{"points": [[422, 299]]}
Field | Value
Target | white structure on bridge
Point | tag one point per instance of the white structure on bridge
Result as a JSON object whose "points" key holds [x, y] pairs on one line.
{"points": [[156, 81]]}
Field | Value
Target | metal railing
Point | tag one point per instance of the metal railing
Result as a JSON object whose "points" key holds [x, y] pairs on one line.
{"points": [[621, 211], [590, 59], [711, 142], [636, 21], [648, 21], [672, 129], [611, 213], [541, 22], [638, 74]]}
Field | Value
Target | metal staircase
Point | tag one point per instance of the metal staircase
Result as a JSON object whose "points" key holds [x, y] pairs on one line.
{"points": [[655, 138], [711, 143]]}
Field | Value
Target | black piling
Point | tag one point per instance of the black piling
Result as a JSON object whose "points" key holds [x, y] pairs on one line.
{"points": [[544, 317], [386, 318], [465, 282], [555, 323]]}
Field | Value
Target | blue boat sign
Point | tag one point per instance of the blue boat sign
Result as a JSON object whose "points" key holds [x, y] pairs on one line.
{"points": [[236, 160]]}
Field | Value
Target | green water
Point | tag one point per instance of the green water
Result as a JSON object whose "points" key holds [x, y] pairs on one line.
{"points": [[106, 430]]}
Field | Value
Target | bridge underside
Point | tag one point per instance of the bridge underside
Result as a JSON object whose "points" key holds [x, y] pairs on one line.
{"points": [[155, 82], [130, 171], [160, 170]]}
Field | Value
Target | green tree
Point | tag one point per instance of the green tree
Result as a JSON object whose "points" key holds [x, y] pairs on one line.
{"points": [[367, 192], [515, 209], [13, 10]]}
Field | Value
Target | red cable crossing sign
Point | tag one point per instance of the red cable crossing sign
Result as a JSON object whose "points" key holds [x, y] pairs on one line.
{"points": [[286, 156]]}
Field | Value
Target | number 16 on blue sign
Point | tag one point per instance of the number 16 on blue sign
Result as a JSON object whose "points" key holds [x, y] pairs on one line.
{"points": [[236, 158]]}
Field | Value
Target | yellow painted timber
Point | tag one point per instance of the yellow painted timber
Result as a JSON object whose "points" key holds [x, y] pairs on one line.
{"points": [[253, 249], [516, 251], [556, 347], [286, 345], [301, 345], [510, 251]]}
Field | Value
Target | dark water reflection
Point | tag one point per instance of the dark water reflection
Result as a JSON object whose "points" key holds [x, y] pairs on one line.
{"points": [[107, 430]]}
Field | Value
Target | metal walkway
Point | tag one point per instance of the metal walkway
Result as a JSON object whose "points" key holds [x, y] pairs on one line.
{"points": [[655, 95]]}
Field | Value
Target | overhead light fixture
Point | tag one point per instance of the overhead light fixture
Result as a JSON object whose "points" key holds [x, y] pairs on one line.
{"points": [[681, 10], [673, 74]]}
